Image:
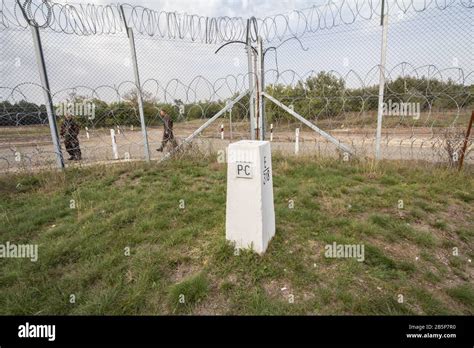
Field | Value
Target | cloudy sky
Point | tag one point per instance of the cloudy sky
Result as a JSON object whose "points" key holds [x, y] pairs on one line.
{"points": [[215, 8], [192, 71]]}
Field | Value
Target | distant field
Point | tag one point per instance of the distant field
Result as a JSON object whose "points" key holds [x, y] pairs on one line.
{"points": [[176, 252], [30, 147], [457, 118]]}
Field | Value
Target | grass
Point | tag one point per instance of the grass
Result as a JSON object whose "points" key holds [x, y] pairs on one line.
{"points": [[184, 296], [149, 239], [464, 294]]}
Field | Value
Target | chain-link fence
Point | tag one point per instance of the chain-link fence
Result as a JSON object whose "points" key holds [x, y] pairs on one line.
{"points": [[113, 68]]}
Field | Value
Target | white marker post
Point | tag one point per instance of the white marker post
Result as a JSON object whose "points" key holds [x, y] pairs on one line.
{"points": [[230, 123], [297, 141], [222, 131], [87, 133], [383, 58], [271, 131], [114, 144], [250, 213]]}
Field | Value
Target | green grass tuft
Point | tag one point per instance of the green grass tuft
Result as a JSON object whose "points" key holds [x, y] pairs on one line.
{"points": [[184, 296], [464, 294]]}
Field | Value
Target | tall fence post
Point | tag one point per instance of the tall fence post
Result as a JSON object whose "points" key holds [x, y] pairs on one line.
{"points": [[260, 89], [383, 58], [255, 96], [46, 92], [251, 73], [131, 40]]}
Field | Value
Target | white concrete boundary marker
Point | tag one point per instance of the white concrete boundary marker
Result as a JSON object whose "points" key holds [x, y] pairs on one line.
{"points": [[297, 141], [250, 213], [114, 144]]}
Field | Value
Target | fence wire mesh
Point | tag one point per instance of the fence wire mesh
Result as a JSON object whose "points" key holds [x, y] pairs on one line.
{"points": [[323, 62]]}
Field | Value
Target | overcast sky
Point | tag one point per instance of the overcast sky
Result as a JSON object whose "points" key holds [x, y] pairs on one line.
{"points": [[215, 8], [102, 62]]}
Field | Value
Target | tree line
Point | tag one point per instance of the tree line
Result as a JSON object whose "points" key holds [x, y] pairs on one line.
{"points": [[321, 96]]}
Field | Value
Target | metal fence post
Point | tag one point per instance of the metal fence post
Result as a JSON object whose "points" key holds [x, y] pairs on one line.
{"points": [[260, 89], [383, 57], [131, 40], [255, 95], [251, 73], [47, 94]]}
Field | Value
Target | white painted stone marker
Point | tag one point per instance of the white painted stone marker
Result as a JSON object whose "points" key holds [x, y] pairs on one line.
{"points": [[114, 144], [250, 214]]}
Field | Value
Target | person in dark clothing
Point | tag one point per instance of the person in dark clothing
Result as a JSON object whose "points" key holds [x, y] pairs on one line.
{"points": [[168, 135], [70, 132]]}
